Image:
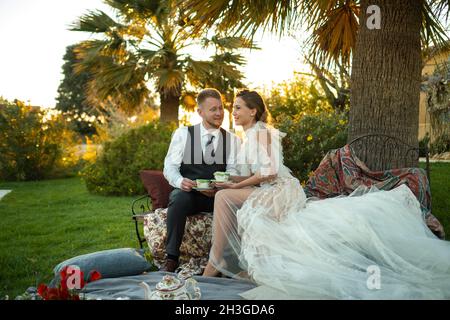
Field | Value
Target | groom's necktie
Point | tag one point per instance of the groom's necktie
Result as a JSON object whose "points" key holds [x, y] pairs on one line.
{"points": [[209, 150]]}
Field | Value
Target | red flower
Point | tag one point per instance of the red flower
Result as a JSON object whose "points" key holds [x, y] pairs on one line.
{"points": [[82, 283], [52, 294], [94, 276], [65, 277], [76, 297], [42, 290], [62, 292], [63, 274]]}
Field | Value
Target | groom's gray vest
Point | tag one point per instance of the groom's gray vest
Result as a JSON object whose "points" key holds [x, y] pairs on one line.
{"points": [[193, 165]]}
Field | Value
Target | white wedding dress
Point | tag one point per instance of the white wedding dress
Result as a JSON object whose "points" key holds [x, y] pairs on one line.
{"points": [[370, 245]]}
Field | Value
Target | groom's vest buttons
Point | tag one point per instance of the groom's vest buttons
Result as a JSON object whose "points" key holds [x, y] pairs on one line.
{"points": [[194, 165]]}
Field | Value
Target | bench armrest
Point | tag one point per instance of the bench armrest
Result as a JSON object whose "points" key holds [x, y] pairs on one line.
{"points": [[141, 205]]}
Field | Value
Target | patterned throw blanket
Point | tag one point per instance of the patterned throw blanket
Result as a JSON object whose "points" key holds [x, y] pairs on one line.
{"points": [[196, 243], [340, 172]]}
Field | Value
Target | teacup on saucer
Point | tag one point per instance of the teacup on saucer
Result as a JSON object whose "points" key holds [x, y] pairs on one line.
{"points": [[220, 176], [203, 183]]}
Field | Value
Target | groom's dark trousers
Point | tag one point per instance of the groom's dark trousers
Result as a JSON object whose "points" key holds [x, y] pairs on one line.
{"points": [[181, 205]]}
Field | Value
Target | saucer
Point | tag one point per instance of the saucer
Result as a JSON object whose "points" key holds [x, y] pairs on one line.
{"points": [[202, 189]]}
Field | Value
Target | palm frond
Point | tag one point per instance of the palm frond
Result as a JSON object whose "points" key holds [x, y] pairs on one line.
{"points": [[123, 83], [169, 80], [441, 8], [229, 43], [197, 71], [334, 23], [188, 101], [335, 37], [147, 55], [89, 55], [137, 9], [95, 22], [229, 58], [433, 32], [229, 72]]}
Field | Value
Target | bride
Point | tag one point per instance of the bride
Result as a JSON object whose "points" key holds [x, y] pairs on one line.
{"points": [[369, 245]]}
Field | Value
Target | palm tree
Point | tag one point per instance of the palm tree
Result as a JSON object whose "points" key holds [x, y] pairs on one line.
{"points": [[385, 63], [147, 44], [222, 62]]}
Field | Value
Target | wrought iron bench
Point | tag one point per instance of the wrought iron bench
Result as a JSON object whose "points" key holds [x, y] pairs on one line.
{"points": [[403, 154], [139, 208]]}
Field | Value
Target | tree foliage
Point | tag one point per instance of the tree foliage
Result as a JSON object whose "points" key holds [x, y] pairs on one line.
{"points": [[72, 98], [34, 143], [333, 24], [148, 43]]}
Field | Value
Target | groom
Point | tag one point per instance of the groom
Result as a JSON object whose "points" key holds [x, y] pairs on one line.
{"points": [[196, 152]]}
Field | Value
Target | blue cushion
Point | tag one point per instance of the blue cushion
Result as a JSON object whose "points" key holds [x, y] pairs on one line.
{"points": [[110, 263]]}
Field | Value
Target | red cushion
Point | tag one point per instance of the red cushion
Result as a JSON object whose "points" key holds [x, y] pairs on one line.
{"points": [[157, 187]]}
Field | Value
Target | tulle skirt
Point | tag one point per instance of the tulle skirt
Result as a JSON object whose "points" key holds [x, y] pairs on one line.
{"points": [[369, 245]]}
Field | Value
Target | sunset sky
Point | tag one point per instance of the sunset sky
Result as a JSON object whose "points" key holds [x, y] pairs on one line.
{"points": [[34, 36]]}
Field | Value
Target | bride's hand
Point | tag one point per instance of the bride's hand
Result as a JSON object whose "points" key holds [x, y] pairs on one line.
{"points": [[225, 185]]}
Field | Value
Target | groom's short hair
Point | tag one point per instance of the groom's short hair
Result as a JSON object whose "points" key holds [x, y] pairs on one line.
{"points": [[208, 93]]}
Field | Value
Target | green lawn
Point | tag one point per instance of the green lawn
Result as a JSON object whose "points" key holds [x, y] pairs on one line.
{"points": [[43, 223], [440, 193]]}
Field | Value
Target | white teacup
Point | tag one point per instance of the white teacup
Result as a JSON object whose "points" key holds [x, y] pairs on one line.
{"points": [[203, 183], [221, 176]]}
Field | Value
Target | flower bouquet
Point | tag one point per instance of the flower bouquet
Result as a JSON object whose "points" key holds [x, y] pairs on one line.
{"points": [[72, 281]]}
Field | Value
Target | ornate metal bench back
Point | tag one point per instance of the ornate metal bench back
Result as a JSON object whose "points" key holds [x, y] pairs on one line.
{"points": [[385, 146], [143, 203]]}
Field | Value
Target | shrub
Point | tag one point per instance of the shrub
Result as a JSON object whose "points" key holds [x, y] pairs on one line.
{"points": [[309, 138], [296, 97], [34, 143], [441, 144], [313, 127], [423, 143], [116, 171]]}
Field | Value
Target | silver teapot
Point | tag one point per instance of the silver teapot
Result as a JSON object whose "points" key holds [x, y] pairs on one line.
{"points": [[181, 287]]}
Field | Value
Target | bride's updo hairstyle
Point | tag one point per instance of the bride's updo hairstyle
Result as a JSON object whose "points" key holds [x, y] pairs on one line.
{"points": [[253, 100]]}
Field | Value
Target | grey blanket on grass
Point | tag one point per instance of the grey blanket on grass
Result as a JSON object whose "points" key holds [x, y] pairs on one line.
{"points": [[128, 287]]}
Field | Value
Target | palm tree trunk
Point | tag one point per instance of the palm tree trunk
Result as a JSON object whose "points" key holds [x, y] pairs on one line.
{"points": [[385, 79], [170, 103], [230, 118]]}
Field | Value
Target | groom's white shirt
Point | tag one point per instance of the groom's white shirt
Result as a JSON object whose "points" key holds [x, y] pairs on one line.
{"points": [[175, 154]]}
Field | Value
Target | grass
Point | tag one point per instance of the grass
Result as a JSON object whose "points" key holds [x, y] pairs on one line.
{"points": [[43, 223], [440, 193], [46, 222]]}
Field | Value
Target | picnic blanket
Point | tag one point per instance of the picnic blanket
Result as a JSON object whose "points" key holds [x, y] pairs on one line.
{"points": [[340, 173], [129, 288]]}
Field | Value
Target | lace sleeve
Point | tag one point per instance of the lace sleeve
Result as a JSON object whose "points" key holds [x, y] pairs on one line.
{"points": [[267, 151]]}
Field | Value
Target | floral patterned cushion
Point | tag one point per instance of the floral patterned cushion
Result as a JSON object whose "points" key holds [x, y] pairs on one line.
{"points": [[196, 242]]}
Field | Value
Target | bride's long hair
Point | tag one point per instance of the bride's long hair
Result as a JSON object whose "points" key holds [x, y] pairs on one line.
{"points": [[253, 100]]}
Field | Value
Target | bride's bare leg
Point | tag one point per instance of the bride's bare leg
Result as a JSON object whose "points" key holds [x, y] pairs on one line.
{"points": [[226, 203]]}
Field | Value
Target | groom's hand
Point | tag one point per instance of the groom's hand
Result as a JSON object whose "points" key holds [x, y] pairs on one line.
{"points": [[187, 184]]}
